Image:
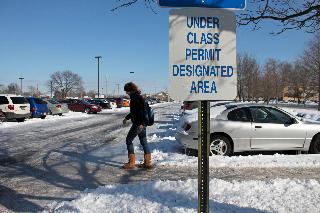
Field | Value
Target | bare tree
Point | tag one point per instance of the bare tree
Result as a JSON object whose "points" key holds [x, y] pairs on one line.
{"points": [[13, 88], [286, 70], [311, 63], [248, 77], [65, 82], [2, 89], [32, 91], [127, 3], [271, 80], [91, 93], [240, 79], [288, 14]]}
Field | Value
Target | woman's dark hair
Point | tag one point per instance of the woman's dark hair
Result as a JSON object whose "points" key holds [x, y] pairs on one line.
{"points": [[131, 87]]}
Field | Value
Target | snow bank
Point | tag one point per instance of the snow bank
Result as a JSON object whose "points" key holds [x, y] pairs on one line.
{"points": [[309, 114], [168, 152], [279, 195], [49, 118]]}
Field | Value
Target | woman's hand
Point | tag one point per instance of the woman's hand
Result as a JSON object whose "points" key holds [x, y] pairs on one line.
{"points": [[140, 127], [124, 121]]}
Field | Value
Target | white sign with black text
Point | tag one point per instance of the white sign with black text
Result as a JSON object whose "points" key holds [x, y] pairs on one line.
{"points": [[202, 54]]}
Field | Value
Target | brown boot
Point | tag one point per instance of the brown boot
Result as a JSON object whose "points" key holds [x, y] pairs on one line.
{"points": [[147, 162], [131, 162]]}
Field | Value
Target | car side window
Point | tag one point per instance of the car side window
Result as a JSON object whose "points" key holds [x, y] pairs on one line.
{"points": [[239, 115], [39, 101], [269, 115], [3, 100]]}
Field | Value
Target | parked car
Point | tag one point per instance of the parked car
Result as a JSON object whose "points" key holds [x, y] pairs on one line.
{"points": [[151, 101], [83, 106], [56, 108], [104, 104], [189, 107], [66, 101], [119, 102], [2, 116], [112, 102], [38, 107], [14, 107], [241, 127], [126, 103]]}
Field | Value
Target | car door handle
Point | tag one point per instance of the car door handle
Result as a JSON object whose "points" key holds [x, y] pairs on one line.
{"points": [[258, 127]]}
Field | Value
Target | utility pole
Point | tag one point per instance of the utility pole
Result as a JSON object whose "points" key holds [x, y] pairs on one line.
{"points": [[38, 93], [21, 85], [98, 57], [51, 88], [106, 86], [118, 88]]}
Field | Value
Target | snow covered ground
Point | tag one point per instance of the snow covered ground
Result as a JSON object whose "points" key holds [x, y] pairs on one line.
{"points": [[277, 195]]}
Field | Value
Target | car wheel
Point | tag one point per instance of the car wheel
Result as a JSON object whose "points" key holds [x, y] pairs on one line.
{"points": [[220, 145], [315, 145], [50, 113], [60, 114], [20, 119], [43, 117], [87, 110]]}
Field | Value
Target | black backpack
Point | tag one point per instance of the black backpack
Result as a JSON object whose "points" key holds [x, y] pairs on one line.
{"points": [[148, 114]]}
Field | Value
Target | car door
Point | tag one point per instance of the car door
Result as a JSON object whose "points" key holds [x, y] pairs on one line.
{"points": [[82, 106], [238, 127], [72, 105], [273, 129]]}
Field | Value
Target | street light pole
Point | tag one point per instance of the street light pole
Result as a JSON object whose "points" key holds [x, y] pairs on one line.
{"points": [[98, 57], [21, 86]]}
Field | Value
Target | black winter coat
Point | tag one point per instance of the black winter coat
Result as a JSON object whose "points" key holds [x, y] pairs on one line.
{"points": [[136, 109]]}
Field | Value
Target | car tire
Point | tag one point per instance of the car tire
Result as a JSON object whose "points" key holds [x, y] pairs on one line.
{"points": [[60, 114], [50, 113], [220, 145], [315, 145], [87, 110], [43, 117], [20, 119]]}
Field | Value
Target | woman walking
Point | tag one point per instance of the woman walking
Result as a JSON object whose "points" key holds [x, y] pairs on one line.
{"points": [[138, 128]]}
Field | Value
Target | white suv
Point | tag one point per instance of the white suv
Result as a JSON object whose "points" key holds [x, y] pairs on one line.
{"points": [[15, 107]]}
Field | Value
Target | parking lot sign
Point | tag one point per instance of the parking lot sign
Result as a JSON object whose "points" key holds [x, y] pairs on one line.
{"points": [[202, 54]]}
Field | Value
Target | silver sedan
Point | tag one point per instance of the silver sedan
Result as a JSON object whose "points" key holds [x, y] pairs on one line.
{"points": [[239, 128], [56, 108]]}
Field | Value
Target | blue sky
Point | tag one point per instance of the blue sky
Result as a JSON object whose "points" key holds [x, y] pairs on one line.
{"points": [[39, 37]]}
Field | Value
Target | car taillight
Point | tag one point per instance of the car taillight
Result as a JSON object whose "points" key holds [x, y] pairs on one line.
{"points": [[33, 109], [187, 127], [58, 106], [11, 107], [188, 106]]}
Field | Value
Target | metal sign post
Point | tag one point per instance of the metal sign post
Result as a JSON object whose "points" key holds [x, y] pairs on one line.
{"points": [[203, 155], [202, 66]]}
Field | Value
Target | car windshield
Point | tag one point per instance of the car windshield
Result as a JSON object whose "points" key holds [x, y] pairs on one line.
{"points": [[53, 101], [85, 102], [19, 100]]}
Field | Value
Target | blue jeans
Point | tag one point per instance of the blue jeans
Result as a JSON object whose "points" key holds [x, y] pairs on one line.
{"points": [[142, 134]]}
